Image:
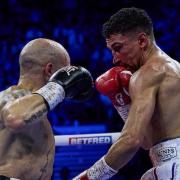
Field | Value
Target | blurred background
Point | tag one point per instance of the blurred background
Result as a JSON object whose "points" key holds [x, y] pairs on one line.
{"points": [[77, 25]]}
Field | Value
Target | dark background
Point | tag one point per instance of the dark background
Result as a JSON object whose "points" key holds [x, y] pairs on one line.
{"points": [[77, 25]]}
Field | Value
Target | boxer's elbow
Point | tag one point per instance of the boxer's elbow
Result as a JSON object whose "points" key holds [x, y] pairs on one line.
{"points": [[131, 140], [122, 151], [134, 141], [12, 121]]}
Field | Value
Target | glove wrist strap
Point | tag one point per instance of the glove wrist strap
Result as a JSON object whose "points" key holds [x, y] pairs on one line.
{"points": [[53, 93]]}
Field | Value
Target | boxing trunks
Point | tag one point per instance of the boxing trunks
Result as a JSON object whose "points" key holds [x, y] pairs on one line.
{"points": [[7, 178], [165, 157]]}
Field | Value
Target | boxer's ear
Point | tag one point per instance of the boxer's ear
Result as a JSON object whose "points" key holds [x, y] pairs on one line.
{"points": [[48, 69], [142, 40]]}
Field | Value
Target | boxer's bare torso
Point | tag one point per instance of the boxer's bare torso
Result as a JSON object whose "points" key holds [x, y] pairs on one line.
{"points": [[165, 121], [29, 153], [154, 91]]}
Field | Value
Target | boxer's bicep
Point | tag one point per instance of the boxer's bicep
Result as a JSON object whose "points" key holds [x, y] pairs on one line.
{"points": [[131, 136], [143, 91], [141, 112], [144, 88], [22, 111]]}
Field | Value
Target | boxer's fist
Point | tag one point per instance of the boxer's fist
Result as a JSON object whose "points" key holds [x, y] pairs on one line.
{"points": [[76, 81], [115, 83], [67, 82]]}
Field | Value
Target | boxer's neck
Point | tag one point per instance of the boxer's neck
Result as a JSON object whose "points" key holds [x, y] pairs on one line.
{"points": [[30, 82], [146, 55]]}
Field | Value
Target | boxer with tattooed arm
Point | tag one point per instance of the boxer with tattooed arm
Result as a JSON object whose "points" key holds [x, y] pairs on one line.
{"points": [[46, 78]]}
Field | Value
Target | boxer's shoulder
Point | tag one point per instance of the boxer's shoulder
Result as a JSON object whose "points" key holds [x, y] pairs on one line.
{"points": [[4, 97], [149, 72], [149, 76], [11, 94]]}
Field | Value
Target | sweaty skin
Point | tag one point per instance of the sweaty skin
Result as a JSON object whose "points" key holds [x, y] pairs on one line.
{"points": [[154, 115], [25, 152], [27, 145]]}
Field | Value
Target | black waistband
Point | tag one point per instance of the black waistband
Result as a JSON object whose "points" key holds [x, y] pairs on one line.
{"points": [[4, 178]]}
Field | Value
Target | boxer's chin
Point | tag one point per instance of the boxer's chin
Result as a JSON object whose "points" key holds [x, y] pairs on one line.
{"points": [[120, 64], [128, 67]]}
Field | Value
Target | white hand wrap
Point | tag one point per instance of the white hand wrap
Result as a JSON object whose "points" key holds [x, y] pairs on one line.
{"points": [[100, 170], [53, 93]]}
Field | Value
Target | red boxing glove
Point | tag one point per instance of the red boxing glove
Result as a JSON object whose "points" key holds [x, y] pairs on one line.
{"points": [[115, 84]]}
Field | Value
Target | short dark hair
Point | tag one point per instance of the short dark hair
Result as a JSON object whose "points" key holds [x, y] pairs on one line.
{"points": [[128, 20]]}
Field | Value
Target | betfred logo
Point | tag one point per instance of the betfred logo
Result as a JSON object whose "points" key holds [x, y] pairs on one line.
{"points": [[90, 140]]}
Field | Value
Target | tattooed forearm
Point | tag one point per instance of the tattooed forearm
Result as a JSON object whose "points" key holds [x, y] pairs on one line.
{"points": [[36, 116]]}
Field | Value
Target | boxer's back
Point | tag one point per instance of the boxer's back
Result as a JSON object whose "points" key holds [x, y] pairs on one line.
{"points": [[165, 122], [28, 153]]}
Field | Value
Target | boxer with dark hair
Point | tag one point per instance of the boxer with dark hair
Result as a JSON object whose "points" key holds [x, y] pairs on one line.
{"points": [[46, 78], [153, 121]]}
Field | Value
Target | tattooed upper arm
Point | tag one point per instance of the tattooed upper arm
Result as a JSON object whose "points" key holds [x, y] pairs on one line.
{"points": [[8, 96]]}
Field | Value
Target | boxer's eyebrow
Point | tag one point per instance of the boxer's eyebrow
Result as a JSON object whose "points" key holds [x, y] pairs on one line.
{"points": [[114, 44]]}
